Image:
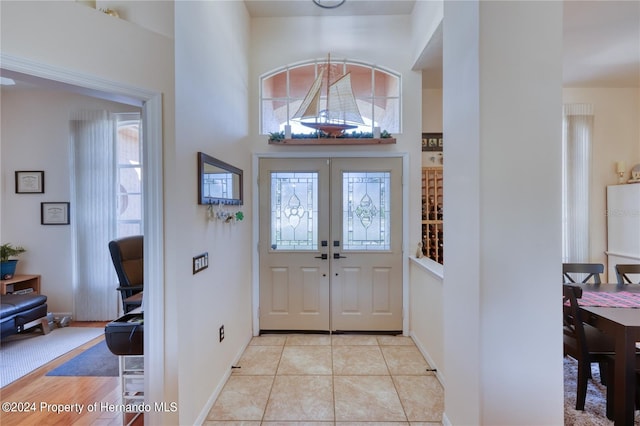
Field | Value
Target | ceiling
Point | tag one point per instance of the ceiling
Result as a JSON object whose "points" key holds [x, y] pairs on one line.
{"points": [[289, 8], [601, 38]]}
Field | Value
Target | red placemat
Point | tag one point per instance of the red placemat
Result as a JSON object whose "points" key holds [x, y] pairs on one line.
{"points": [[621, 299]]}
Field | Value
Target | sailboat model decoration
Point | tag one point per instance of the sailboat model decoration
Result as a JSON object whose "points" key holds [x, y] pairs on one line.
{"points": [[341, 112]]}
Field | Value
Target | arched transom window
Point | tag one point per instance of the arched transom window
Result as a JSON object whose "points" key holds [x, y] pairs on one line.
{"points": [[376, 92]]}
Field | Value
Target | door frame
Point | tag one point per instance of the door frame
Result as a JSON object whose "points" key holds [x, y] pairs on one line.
{"points": [[255, 262]]}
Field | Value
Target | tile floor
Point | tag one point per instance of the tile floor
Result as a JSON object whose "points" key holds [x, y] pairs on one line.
{"points": [[335, 379]]}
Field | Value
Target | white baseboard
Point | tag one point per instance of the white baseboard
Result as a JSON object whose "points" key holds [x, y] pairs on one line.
{"points": [[202, 417], [427, 357], [62, 314]]}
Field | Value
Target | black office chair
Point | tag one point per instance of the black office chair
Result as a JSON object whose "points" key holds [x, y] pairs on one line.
{"points": [[591, 269], [127, 257], [586, 344], [623, 272]]}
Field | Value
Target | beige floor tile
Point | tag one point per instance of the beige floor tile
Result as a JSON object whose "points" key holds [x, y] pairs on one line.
{"points": [[231, 423], [259, 360], [308, 339], [395, 341], [367, 398], [297, 423], [268, 340], [301, 398], [297, 360], [422, 397], [358, 360], [372, 423], [353, 340], [404, 360], [242, 398]]}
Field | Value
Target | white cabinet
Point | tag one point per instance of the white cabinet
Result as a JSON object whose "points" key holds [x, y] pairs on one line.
{"points": [[623, 226]]}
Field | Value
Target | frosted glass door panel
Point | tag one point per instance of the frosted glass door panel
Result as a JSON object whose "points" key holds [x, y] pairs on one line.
{"points": [[294, 214], [366, 210]]}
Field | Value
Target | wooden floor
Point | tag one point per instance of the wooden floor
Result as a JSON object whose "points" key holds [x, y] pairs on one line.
{"points": [[41, 394]]}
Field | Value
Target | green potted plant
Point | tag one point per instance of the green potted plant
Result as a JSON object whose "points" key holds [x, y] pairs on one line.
{"points": [[9, 265]]}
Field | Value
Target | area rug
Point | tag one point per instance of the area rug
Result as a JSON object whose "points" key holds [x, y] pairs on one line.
{"points": [[21, 354], [594, 413], [95, 361]]}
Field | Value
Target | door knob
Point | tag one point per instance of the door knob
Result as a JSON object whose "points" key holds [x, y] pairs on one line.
{"points": [[338, 256], [323, 256]]}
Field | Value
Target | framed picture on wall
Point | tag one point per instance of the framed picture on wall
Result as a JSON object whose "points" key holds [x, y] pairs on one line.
{"points": [[432, 141], [29, 182], [54, 213]]}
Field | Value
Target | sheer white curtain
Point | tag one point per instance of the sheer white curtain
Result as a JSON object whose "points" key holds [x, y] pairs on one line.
{"points": [[576, 176], [93, 202]]}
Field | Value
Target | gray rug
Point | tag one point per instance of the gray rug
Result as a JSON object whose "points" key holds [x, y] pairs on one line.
{"points": [[594, 413], [21, 354], [95, 361]]}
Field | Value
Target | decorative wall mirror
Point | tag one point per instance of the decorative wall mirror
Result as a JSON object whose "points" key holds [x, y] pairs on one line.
{"points": [[218, 182]]}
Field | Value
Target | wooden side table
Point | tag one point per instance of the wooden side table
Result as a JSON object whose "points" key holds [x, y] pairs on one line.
{"points": [[19, 283]]}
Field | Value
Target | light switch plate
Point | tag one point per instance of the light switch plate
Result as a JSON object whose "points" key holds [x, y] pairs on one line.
{"points": [[200, 262]]}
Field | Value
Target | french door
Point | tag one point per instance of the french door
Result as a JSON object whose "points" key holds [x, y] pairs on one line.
{"points": [[330, 244]]}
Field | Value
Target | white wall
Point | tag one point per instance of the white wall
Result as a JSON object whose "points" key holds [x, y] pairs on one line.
{"points": [[212, 116], [156, 16], [425, 311], [36, 136], [616, 137], [425, 19]]}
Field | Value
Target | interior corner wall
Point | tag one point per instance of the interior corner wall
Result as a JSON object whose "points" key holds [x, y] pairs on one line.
{"points": [[212, 116], [425, 19], [35, 135]]}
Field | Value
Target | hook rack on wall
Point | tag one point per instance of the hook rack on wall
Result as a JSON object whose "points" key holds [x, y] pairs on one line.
{"points": [[221, 213]]}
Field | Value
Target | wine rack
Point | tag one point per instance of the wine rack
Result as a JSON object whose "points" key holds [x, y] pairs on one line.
{"points": [[432, 223]]}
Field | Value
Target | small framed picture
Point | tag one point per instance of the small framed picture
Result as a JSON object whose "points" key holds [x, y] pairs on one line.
{"points": [[29, 182], [432, 141], [54, 213]]}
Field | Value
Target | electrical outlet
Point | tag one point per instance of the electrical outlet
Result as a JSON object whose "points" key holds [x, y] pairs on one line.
{"points": [[221, 333], [200, 262]]}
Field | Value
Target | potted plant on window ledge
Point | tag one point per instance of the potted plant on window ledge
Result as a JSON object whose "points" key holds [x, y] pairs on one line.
{"points": [[9, 265]]}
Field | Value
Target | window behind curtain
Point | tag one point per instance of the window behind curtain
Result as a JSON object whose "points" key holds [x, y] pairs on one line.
{"points": [[129, 175], [576, 175], [106, 204]]}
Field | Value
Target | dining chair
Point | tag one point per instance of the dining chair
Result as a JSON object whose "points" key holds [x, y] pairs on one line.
{"points": [[624, 270], [591, 269], [587, 345]]}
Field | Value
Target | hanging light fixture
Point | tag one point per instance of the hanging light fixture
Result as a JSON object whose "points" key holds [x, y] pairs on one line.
{"points": [[329, 4]]}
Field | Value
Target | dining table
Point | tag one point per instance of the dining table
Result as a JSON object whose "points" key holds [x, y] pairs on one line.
{"points": [[615, 309]]}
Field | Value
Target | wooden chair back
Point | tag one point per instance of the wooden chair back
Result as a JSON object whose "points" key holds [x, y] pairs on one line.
{"points": [[623, 271], [593, 270]]}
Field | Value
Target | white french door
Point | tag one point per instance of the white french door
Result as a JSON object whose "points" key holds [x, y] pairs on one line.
{"points": [[330, 244]]}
